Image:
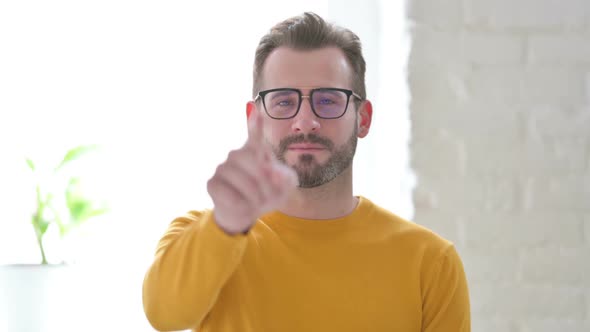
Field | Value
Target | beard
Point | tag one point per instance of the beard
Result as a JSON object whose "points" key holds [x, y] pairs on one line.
{"points": [[309, 171]]}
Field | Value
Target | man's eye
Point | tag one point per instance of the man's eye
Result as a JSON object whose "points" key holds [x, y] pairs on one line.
{"points": [[285, 103], [326, 101]]}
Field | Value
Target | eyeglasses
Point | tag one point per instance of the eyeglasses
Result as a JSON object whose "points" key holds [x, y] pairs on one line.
{"points": [[326, 103]]}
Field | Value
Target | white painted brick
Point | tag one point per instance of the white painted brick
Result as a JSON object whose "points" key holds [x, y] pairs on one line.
{"points": [[437, 84], [556, 266], [495, 85], [542, 156], [556, 120], [559, 49], [445, 224], [431, 46], [445, 151], [555, 155], [498, 194], [464, 193], [484, 264], [534, 86], [532, 14], [554, 85], [483, 323], [502, 155], [521, 301], [424, 199], [436, 13], [501, 149], [493, 48], [428, 116], [430, 119], [556, 140], [493, 122], [480, 48], [517, 231], [552, 325], [560, 193]]}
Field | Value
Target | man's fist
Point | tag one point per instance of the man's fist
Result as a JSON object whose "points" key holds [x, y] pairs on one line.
{"points": [[250, 182]]}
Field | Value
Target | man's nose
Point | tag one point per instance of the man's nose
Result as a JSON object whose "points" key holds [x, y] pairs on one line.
{"points": [[305, 121]]}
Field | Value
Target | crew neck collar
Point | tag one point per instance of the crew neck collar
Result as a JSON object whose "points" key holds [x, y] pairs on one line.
{"points": [[356, 217]]}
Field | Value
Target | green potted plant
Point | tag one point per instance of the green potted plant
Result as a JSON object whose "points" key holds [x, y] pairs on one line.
{"points": [[30, 294], [61, 200]]}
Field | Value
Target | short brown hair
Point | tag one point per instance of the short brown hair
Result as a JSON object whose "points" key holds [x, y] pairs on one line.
{"points": [[307, 32]]}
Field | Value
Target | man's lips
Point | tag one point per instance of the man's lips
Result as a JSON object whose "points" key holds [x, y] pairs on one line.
{"points": [[306, 147]]}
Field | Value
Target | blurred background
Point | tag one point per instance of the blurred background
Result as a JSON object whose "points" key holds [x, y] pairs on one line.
{"points": [[481, 132]]}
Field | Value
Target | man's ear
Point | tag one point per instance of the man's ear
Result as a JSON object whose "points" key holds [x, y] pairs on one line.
{"points": [[250, 106], [365, 115]]}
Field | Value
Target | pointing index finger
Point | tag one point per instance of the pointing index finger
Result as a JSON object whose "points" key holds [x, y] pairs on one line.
{"points": [[256, 142]]}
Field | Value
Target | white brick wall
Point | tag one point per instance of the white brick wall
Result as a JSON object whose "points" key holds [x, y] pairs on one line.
{"points": [[551, 49], [525, 14], [500, 111]]}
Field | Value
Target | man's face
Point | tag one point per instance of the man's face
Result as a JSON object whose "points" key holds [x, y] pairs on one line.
{"points": [[317, 149]]}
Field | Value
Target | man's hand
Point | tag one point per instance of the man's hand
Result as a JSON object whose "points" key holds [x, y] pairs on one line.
{"points": [[250, 182]]}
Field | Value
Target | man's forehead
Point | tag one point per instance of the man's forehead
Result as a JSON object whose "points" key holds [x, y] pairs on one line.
{"points": [[286, 67]]}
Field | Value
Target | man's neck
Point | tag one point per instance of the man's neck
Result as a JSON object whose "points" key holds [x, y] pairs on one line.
{"points": [[328, 201]]}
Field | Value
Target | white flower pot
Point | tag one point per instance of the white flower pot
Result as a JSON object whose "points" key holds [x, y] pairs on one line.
{"points": [[64, 298], [29, 296]]}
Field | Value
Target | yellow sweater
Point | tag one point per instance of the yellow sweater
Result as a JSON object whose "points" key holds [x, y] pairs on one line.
{"points": [[368, 271]]}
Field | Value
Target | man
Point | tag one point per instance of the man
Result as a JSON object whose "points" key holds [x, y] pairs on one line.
{"points": [[287, 247]]}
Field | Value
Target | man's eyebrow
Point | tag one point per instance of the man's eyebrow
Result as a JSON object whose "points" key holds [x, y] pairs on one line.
{"points": [[281, 92]]}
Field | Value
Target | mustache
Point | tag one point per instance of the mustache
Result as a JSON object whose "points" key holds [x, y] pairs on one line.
{"points": [[310, 138]]}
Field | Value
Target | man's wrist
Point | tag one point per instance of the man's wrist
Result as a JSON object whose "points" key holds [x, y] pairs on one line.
{"points": [[229, 231]]}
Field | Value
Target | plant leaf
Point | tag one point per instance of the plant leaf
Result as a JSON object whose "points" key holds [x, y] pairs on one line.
{"points": [[40, 224], [95, 212], [81, 208], [60, 224], [84, 210], [75, 153], [44, 224], [31, 164]]}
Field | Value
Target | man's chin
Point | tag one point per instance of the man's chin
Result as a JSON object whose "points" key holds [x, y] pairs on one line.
{"points": [[311, 179], [307, 167]]}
